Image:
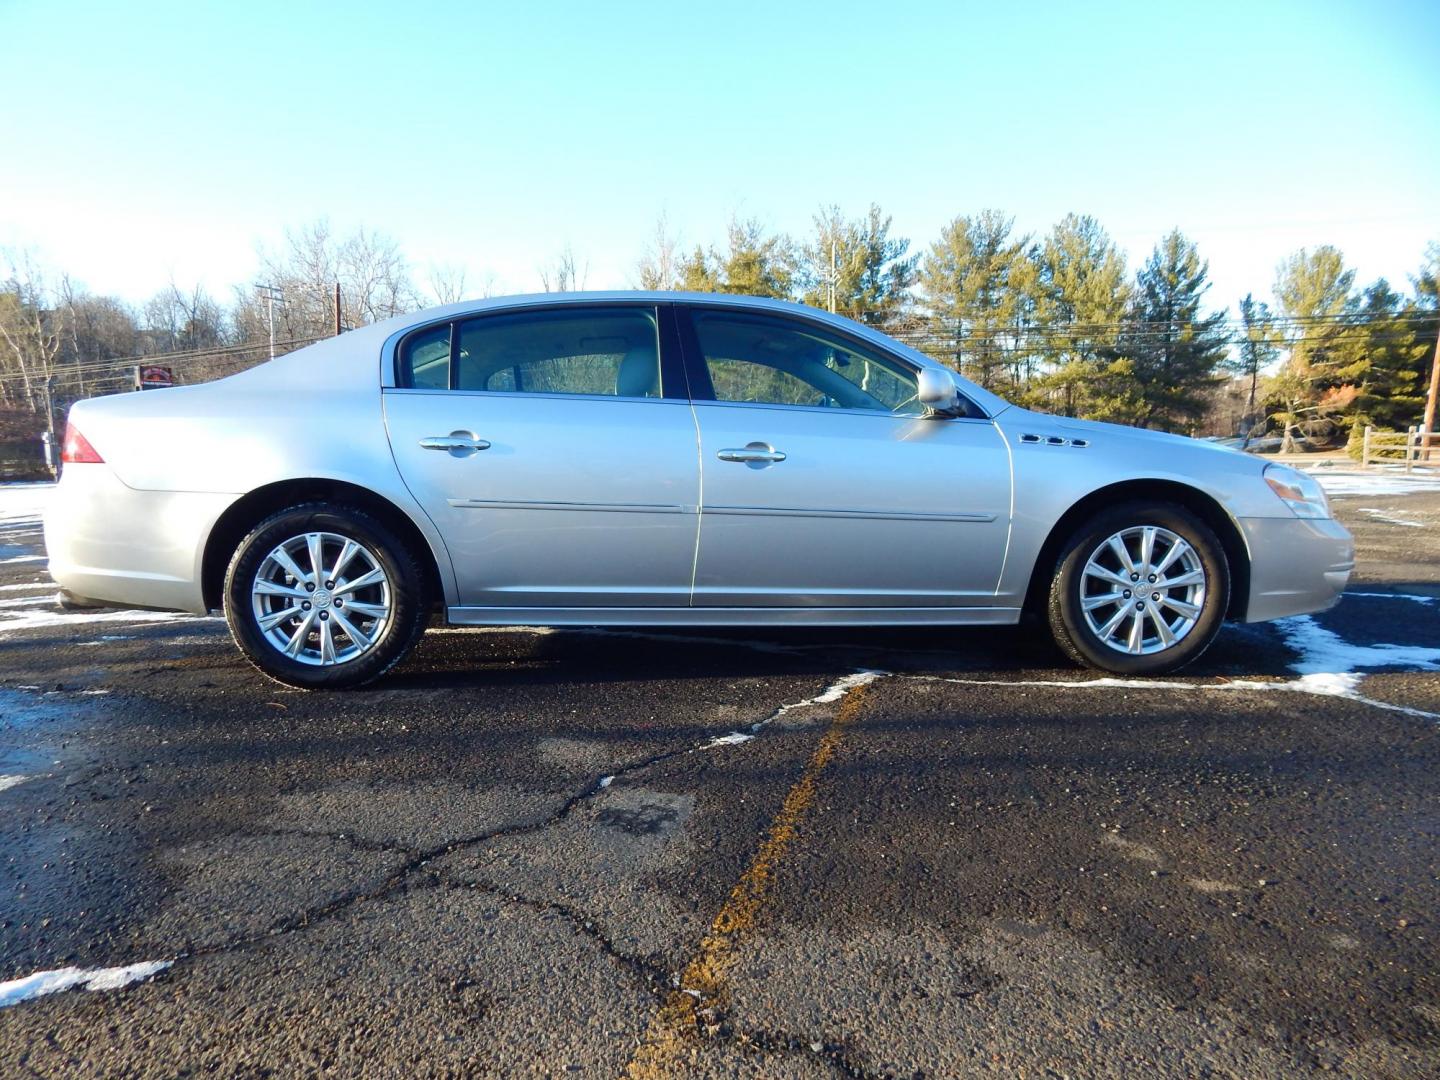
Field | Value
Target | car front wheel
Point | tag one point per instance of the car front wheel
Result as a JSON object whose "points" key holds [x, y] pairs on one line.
{"points": [[1139, 589], [324, 597]]}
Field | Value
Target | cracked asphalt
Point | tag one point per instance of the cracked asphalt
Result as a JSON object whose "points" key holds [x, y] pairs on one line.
{"points": [[868, 854]]}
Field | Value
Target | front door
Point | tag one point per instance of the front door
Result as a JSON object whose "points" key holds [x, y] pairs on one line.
{"points": [[826, 485], [545, 448]]}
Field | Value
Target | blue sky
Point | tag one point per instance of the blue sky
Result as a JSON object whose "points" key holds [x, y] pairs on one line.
{"points": [[150, 139]]}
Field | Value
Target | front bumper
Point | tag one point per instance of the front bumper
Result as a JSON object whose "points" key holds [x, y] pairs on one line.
{"points": [[1297, 565], [113, 544]]}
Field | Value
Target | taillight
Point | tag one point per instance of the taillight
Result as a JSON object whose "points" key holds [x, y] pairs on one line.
{"points": [[77, 448]]}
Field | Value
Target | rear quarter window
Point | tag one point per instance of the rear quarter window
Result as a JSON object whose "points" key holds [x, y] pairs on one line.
{"points": [[424, 362]]}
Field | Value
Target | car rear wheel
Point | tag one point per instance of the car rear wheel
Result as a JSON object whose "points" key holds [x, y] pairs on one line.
{"points": [[1140, 589], [324, 597]]}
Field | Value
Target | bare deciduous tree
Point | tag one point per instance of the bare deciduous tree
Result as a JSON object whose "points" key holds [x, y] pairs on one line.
{"points": [[183, 319], [447, 283], [659, 267], [32, 327], [564, 274], [373, 275]]}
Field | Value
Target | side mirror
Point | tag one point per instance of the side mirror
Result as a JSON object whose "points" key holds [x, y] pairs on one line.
{"points": [[936, 390]]}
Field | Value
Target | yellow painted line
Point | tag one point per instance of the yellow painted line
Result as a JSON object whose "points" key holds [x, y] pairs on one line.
{"points": [[670, 1040]]}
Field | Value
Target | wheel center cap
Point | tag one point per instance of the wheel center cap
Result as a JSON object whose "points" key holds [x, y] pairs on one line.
{"points": [[320, 598]]}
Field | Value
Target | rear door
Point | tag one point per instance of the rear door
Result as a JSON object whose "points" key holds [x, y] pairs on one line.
{"points": [[555, 449], [825, 484]]}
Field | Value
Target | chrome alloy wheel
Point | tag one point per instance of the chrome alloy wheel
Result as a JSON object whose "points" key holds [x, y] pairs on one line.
{"points": [[321, 598], [1142, 590]]}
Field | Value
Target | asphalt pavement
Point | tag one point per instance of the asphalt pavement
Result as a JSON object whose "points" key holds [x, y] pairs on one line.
{"points": [[925, 853]]}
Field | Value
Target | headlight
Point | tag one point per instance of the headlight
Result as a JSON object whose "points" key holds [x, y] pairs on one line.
{"points": [[1299, 491]]}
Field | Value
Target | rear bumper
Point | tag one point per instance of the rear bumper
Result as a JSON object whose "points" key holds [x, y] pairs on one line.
{"points": [[1297, 565], [113, 544]]}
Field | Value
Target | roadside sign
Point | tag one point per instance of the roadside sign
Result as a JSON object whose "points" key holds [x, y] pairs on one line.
{"points": [[153, 377]]}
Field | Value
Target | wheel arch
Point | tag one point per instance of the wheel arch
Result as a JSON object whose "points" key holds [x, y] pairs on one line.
{"points": [[253, 507], [1204, 506]]}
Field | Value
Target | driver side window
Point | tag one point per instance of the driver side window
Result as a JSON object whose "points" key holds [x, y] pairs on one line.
{"points": [[773, 361]]}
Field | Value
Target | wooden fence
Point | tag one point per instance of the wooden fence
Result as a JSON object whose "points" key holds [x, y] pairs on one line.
{"points": [[1400, 447]]}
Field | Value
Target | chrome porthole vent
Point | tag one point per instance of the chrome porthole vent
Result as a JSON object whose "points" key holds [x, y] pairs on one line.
{"points": [[321, 599], [1142, 590]]}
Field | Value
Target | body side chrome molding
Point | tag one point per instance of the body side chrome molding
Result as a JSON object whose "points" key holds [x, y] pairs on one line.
{"points": [[866, 515], [605, 508], [718, 511]]}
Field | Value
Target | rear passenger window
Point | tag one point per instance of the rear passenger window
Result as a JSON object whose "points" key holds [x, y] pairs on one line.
{"points": [[609, 352], [425, 359]]}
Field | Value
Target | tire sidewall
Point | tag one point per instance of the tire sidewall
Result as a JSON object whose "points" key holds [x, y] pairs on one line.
{"points": [[408, 607], [1065, 600]]}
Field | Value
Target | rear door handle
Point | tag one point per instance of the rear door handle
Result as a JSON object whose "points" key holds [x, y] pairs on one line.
{"points": [[458, 443], [755, 453]]}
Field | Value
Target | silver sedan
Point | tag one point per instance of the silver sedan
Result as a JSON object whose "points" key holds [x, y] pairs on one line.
{"points": [[662, 459]]}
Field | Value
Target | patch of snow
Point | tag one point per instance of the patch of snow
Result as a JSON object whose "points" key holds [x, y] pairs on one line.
{"points": [[1358, 483], [32, 619], [16, 559], [606, 781], [1419, 598], [1327, 666], [24, 502], [733, 739], [1323, 651], [71, 978], [537, 630], [1384, 515], [26, 601], [29, 585], [838, 689], [9, 781], [834, 692]]}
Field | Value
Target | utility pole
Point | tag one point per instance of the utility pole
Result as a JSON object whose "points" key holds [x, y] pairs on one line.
{"points": [[832, 270], [50, 406], [272, 297], [1428, 427], [337, 309]]}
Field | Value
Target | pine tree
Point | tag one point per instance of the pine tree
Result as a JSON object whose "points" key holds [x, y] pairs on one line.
{"points": [[1389, 361], [697, 272], [1313, 294], [866, 270], [1083, 297], [1175, 352], [1427, 281], [979, 281], [757, 264]]}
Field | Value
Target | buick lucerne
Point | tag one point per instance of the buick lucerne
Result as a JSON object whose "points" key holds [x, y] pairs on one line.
{"points": [[661, 459]]}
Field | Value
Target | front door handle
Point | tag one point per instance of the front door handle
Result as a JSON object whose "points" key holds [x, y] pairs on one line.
{"points": [[458, 443], [755, 453]]}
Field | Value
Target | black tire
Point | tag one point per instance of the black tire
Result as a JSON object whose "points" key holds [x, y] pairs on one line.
{"points": [[1073, 632], [408, 604]]}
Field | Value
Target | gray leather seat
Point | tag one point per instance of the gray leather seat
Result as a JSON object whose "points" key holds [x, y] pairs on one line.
{"points": [[639, 373]]}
